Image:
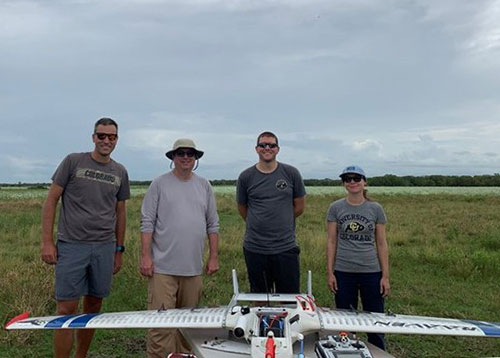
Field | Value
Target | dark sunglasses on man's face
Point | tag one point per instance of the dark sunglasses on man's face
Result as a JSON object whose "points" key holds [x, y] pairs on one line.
{"points": [[102, 136], [349, 178], [182, 153], [270, 145]]}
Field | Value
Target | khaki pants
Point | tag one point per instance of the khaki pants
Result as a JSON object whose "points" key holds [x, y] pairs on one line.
{"points": [[166, 291]]}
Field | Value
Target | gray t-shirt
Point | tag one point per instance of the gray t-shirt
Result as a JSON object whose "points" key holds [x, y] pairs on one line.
{"points": [[356, 246], [91, 190], [180, 214], [270, 222]]}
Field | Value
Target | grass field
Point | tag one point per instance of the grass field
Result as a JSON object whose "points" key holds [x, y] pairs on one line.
{"points": [[444, 256], [22, 193]]}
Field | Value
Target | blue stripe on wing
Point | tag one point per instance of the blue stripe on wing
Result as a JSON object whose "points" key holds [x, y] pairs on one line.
{"points": [[59, 321], [82, 321], [489, 328]]}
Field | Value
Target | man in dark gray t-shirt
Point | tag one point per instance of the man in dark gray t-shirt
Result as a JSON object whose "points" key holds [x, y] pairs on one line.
{"points": [[270, 196], [93, 189]]}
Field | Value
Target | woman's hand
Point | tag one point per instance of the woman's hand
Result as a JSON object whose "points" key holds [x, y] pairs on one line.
{"points": [[385, 287]]}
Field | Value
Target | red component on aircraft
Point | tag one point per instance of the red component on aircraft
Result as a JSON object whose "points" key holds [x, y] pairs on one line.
{"points": [[344, 336], [270, 348], [18, 318]]}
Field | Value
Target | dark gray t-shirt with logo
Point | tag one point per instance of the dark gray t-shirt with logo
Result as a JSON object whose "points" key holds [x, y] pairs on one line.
{"points": [[270, 222], [91, 191], [356, 246]]}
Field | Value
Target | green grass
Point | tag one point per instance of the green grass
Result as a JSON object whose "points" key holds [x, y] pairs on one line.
{"points": [[444, 256], [38, 192]]}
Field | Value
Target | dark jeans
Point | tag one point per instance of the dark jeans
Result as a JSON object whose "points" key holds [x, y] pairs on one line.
{"points": [[276, 273], [368, 285]]}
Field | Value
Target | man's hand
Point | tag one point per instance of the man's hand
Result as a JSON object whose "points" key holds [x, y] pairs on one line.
{"points": [[49, 250], [118, 262], [332, 283], [147, 267], [49, 253], [212, 266]]}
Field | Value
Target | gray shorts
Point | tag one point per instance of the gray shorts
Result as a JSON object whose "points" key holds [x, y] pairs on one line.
{"points": [[84, 269]]}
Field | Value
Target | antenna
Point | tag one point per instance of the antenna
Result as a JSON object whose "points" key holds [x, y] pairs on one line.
{"points": [[309, 283], [236, 289], [267, 287]]}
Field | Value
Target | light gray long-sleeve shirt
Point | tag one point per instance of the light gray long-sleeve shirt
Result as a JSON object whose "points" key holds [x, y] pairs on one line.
{"points": [[180, 214]]}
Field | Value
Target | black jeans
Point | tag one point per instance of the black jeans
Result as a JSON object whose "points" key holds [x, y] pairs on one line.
{"points": [[276, 273], [368, 286]]}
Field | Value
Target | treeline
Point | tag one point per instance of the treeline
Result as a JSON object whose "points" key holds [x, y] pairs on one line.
{"points": [[25, 185], [409, 180], [386, 180], [436, 180]]}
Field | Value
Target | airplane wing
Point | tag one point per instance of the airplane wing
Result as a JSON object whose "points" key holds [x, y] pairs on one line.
{"points": [[171, 318], [353, 321]]}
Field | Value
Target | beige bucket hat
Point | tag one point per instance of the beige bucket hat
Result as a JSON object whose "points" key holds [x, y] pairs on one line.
{"points": [[183, 143]]}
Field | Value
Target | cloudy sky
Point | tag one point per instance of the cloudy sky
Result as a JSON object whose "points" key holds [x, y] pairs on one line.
{"points": [[407, 87]]}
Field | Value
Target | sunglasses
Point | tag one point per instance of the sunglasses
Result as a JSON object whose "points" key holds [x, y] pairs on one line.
{"points": [[182, 153], [102, 136], [354, 178], [270, 145]]}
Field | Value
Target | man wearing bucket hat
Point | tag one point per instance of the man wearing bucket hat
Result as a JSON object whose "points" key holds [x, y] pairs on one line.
{"points": [[178, 213], [270, 196]]}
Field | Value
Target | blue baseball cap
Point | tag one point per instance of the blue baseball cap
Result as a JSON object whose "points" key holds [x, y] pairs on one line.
{"points": [[353, 169]]}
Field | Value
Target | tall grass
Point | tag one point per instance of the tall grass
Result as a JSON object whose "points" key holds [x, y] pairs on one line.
{"points": [[444, 256], [37, 192]]}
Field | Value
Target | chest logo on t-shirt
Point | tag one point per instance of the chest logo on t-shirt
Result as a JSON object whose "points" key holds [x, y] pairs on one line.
{"points": [[281, 184], [96, 175], [354, 226]]}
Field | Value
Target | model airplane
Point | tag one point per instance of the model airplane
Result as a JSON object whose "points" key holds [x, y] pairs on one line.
{"points": [[272, 329]]}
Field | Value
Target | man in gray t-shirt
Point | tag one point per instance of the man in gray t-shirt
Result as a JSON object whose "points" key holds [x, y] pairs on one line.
{"points": [[270, 195], [90, 231]]}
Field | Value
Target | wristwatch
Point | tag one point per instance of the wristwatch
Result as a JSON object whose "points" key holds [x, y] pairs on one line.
{"points": [[120, 248]]}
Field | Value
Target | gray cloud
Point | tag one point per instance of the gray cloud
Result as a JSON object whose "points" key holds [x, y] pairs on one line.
{"points": [[400, 87]]}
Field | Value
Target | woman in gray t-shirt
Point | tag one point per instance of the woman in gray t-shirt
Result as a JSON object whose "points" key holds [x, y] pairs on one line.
{"points": [[357, 254]]}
